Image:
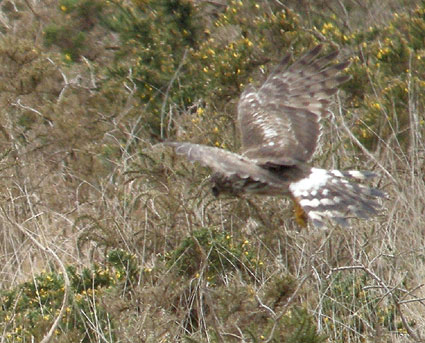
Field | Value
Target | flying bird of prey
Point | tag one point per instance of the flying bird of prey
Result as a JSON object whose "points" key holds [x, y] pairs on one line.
{"points": [[280, 128]]}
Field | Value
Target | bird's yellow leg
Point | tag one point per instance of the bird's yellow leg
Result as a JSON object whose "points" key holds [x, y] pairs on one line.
{"points": [[301, 217]]}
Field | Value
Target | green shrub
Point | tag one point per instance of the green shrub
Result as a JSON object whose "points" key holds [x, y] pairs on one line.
{"points": [[28, 310], [351, 309], [212, 253]]}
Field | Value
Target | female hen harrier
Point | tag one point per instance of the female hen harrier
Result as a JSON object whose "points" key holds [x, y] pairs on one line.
{"points": [[280, 129]]}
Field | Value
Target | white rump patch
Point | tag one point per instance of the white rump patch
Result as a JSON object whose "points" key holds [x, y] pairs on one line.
{"points": [[316, 180], [309, 203]]}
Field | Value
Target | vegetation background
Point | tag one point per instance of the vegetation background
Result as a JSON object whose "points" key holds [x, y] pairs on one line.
{"points": [[106, 238]]}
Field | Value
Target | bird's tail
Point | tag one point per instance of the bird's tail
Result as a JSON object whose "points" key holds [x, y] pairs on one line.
{"points": [[335, 195]]}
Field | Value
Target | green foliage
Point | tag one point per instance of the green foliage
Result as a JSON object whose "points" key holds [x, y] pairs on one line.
{"points": [[125, 265], [178, 59], [392, 57], [71, 42], [70, 34], [29, 309], [213, 253], [295, 325], [301, 328], [156, 36], [351, 308]]}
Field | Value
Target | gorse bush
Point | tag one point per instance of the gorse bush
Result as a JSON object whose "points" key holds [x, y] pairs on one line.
{"points": [[156, 36], [177, 58], [348, 296], [386, 70], [213, 253], [29, 310], [73, 37]]}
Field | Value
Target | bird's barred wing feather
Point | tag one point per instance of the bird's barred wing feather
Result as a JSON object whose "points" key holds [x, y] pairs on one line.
{"points": [[332, 194], [279, 123], [225, 162]]}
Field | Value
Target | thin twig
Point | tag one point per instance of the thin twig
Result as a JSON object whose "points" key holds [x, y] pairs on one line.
{"points": [[67, 282], [164, 103], [285, 307], [362, 147], [389, 291], [19, 104]]}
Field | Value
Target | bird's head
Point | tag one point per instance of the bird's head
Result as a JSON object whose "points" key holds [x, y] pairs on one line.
{"points": [[215, 190], [221, 185]]}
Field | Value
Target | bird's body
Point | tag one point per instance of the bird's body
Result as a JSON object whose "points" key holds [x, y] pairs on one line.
{"points": [[235, 185], [280, 128]]}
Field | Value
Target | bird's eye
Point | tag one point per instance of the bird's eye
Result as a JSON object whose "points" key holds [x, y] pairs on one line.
{"points": [[215, 191]]}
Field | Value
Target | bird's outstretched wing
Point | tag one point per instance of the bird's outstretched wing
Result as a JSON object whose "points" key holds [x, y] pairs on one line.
{"points": [[279, 123], [225, 162]]}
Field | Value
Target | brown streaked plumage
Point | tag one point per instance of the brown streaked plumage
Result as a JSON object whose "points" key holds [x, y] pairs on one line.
{"points": [[280, 129]]}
